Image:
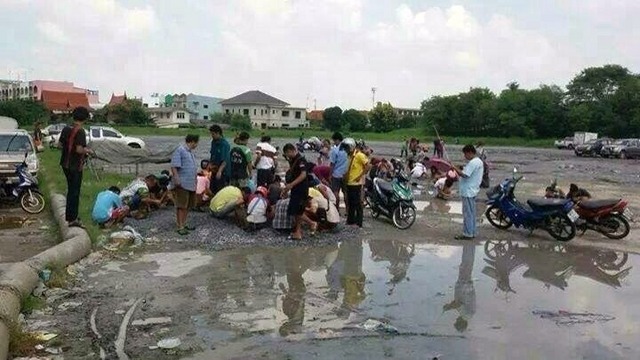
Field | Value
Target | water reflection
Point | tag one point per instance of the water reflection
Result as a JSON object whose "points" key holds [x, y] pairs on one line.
{"points": [[553, 264], [397, 253], [464, 301]]}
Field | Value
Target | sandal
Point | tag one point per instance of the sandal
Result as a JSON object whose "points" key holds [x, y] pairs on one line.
{"points": [[291, 237], [189, 227], [313, 229], [183, 231]]}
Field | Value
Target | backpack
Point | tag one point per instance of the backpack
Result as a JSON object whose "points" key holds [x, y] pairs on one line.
{"points": [[238, 163]]}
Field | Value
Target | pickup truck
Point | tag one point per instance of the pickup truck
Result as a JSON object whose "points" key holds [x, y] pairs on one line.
{"points": [[566, 143], [106, 133]]}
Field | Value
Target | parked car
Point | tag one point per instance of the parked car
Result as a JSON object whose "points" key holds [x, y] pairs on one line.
{"points": [[53, 129], [592, 147], [566, 143], [623, 149], [14, 144], [106, 133]]}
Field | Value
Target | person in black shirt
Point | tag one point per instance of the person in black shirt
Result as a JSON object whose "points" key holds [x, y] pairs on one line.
{"points": [[73, 142], [296, 179]]}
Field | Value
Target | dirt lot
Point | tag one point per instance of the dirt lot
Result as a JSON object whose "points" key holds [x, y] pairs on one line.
{"points": [[381, 293]]}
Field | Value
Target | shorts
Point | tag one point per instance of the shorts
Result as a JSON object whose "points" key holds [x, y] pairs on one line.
{"points": [[184, 199], [337, 184]]}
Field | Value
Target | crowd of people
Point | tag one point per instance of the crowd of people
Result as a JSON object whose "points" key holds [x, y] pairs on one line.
{"points": [[225, 186]]}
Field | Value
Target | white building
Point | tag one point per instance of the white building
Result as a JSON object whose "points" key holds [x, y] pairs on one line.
{"points": [[265, 111], [169, 117]]}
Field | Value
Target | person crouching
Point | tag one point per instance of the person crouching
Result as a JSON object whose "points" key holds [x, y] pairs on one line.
{"points": [[257, 210], [108, 208], [230, 200]]}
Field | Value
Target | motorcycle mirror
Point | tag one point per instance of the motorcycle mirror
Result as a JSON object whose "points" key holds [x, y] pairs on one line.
{"points": [[515, 170]]}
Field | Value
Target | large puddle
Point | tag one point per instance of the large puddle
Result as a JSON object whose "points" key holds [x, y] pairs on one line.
{"points": [[523, 295]]}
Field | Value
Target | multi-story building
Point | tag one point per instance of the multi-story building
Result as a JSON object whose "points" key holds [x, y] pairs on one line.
{"points": [[33, 90], [169, 117], [265, 111], [201, 107], [408, 111]]}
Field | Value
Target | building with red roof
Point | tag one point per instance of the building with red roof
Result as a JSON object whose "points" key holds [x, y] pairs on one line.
{"points": [[64, 102], [117, 99]]}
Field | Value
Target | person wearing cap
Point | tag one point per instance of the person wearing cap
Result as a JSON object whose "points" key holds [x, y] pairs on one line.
{"points": [[219, 159], [257, 209]]}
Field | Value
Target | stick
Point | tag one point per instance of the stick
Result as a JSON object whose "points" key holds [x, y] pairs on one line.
{"points": [[94, 328], [122, 334]]}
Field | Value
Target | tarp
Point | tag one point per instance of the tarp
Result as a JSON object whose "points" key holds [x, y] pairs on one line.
{"points": [[121, 154], [7, 123]]}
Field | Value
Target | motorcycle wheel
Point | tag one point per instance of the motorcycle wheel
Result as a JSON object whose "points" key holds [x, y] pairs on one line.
{"points": [[497, 218], [403, 217], [375, 213], [614, 226], [32, 202], [497, 248], [611, 260], [560, 227]]}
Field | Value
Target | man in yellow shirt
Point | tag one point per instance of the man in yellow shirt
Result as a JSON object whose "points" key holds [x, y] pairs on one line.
{"points": [[356, 170], [226, 201]]}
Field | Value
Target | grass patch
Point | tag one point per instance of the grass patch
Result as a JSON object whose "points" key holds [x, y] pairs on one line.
{"points": [[59, 278], [395, 135], [51, 175], [31, 303], [22, 343]]}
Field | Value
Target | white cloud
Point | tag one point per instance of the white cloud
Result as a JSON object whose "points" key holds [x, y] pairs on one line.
{"points": [[53, 32]]}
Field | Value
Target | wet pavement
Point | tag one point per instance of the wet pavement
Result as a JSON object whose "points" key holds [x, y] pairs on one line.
{"points": [[23, 235], [363, 299]]}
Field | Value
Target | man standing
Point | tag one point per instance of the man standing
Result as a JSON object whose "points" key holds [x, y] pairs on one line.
{"points": [[219, 159], [470, 179], [240, 161], [297, 183], [339, 161], [358, 167], [265, 162], [184, 172], [73, 142]]}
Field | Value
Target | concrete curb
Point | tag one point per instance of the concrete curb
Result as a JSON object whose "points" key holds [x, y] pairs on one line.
{"points": [[20, 280]]}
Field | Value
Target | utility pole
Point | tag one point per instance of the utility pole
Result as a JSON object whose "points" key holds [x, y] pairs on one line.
{"points": [[373, 97], [315, 104]]}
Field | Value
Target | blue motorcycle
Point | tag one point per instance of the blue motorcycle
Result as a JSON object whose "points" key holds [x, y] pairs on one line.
{"points": [[556, 216]]}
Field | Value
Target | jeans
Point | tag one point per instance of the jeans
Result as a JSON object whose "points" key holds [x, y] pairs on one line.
{"points": [[469, 216], [74, 181], [354, 201]]}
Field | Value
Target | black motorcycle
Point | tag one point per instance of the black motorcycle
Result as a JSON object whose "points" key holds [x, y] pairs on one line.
{"points": [[25, 191]]}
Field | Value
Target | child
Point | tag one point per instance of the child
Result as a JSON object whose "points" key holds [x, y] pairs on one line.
{"points": [[203, 194], [257, 210], [108, 209]]}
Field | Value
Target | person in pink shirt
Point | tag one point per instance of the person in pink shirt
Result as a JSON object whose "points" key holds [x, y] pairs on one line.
{"points": [[323, 172], [203, 194]]}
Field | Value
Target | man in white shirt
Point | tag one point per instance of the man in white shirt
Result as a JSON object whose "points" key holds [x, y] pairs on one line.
{"points": [[470, 179], [265, 161]]}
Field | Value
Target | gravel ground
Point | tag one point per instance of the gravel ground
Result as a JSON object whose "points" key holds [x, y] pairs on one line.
{"points": [[215, 234]]}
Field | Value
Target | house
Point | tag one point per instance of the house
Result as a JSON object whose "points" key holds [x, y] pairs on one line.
{"points": [[169, 117], [266, 111], [60, 102], [201, 106], [117, 100], [408, 111], [35, 88]]}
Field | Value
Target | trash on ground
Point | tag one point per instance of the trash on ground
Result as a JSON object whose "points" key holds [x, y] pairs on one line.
{"points": [[376, 325], [45, 336], [127, 236], [40, 289], [45, 275], [169, 343], [151, 321], [56, 294], [53, 351], [562, 317], [68, 305]]}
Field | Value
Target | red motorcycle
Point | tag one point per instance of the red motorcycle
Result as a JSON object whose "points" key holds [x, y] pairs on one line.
{"points": [[609, 217]]}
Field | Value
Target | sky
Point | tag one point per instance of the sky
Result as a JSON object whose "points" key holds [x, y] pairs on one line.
{"points": [[314, 53]]}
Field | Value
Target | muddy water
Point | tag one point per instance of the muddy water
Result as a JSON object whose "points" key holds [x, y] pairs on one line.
{"points": [[489, 294], [11, 222]]}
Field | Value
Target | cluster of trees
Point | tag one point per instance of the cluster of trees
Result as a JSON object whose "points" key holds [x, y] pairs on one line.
{"points": [[235, 121], [26, 112], [382, 118], [604, 99], [129, 112]]}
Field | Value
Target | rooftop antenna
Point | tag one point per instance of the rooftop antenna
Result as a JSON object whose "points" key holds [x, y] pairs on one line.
{"points": [[373, 97], [315, 104]]}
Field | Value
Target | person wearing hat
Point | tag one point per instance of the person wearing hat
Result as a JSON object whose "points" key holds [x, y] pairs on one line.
{"points": [[257, 209]]}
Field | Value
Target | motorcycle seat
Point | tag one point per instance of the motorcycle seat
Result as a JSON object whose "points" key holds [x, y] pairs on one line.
{"points": [[383, 185], [546, 203], [597, 204]]}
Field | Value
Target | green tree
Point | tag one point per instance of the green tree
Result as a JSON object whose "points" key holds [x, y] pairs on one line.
{"points": [[240, 122], [356, 120], [26, 112], [383, 118], [408, 121], [129, 112], [220, 118], [332, 118]]}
